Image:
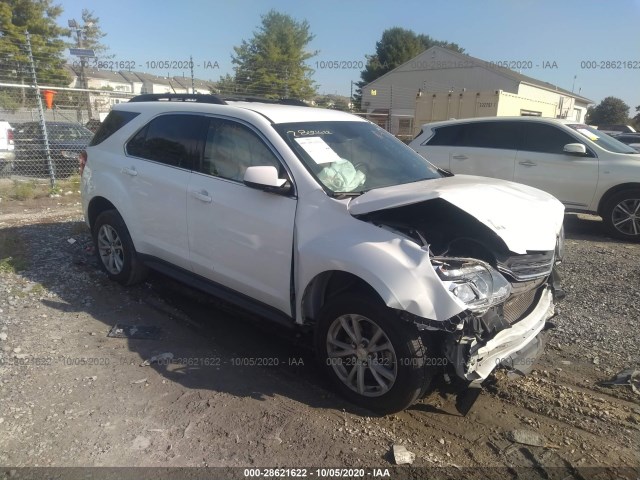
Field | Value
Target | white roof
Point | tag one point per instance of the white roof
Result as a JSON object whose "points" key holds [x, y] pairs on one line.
{"points": [[287, 113], [275, 113], [498, 119]]}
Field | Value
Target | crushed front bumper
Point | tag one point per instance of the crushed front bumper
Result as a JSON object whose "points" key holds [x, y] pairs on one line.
{"points": [[517, 347], [474, 351]]}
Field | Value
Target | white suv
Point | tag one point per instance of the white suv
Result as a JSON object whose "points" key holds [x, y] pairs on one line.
{"points": [[586, 170], [318, 219], [7, 154]]}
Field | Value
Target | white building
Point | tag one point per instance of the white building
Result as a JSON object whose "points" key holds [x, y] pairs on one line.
{"points": [[440, 84]]}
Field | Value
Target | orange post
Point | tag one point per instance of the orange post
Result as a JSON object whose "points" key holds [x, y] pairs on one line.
{"points": [[48, 98]]}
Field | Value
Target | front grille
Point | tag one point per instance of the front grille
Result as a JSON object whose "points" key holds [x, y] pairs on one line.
{"points": [[529, 266], [518, 305]]}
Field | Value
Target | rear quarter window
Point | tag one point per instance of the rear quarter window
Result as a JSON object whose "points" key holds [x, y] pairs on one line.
{"points": [[114, 122]]}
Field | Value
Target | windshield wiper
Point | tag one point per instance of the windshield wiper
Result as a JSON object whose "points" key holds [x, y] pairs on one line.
{"points": [[341, 195]]}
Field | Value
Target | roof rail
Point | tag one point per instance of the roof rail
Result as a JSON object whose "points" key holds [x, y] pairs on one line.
{"points": [[178, 97], [281, 101]]}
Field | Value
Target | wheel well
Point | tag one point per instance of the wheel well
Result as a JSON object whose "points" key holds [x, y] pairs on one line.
{"points": [[97, 206], [612, 191], [329, 284]]}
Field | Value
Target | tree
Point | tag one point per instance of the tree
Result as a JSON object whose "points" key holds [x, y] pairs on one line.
{"points": [[272, 63], [226, 85], [38, 17], [396, 47], [636, 119], [92, 34], [611, 110]]}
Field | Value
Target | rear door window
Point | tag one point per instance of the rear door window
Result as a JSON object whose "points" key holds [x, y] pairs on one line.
{"points": [[114, 122], [446, 136], [174, 140], [503, 135]]}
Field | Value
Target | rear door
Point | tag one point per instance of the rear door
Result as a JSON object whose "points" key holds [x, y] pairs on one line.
{"points": [[542, 163], [156, 172], [487, 149], [240, 237]]}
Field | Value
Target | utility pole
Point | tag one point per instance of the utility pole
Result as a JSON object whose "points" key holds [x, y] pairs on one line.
{"points": [[73, 24], [193, 88], [43, 122]]}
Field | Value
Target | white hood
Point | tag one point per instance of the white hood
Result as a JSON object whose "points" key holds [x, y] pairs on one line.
{"points": [[524, 217]]}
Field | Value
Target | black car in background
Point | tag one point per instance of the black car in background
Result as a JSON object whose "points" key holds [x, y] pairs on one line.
{"points": [[631, 139], [66, 141]]}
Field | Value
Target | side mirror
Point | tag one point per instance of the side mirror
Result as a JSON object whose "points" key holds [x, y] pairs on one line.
{"points": [[575, 149], [266, 178]]}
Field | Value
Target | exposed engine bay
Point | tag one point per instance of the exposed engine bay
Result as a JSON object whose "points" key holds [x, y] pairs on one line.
{"points": [[508, 296]]}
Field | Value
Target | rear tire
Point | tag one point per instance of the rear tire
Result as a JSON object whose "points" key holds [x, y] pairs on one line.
{"points": [[115, 251], [372, 357], [621, 215]]}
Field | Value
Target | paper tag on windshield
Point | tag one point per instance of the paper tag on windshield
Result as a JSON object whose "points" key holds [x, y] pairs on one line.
{"points": [[318, 149], [590, 135]]}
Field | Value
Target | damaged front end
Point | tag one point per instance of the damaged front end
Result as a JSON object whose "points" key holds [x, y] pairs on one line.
{"points": [[506, 298]]}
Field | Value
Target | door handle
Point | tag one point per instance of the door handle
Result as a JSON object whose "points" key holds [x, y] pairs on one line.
{"points": [[203, 196], [130, 171], [528, 163], [460, 157]]}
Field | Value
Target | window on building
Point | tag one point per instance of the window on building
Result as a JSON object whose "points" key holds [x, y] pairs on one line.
{"points": [[530, 113]]}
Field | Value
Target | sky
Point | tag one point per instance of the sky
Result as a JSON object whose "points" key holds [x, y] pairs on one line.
{"points": [[579, 42]]}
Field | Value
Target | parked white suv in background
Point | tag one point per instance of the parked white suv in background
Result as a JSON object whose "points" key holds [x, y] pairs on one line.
{"points": [[318, 219], [586, 170], [7, 154]]}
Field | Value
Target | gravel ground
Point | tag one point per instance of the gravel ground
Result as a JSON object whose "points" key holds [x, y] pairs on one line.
{"points": [[71, 396]]}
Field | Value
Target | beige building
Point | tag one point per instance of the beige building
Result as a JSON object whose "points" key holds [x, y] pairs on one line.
{"points": [[440, 84]]}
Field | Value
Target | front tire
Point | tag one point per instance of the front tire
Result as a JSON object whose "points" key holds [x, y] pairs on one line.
{"points": [[115, 251], [621, 215], [371, 356]]}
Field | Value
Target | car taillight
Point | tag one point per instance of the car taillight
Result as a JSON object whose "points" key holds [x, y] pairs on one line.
{"points": [[82, 160], [10, 136]]}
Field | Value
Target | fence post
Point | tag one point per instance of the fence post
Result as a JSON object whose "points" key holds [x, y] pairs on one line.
{"points": [[43, 123]]}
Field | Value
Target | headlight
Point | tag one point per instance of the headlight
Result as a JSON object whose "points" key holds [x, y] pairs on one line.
{"points": [[475, 283]]}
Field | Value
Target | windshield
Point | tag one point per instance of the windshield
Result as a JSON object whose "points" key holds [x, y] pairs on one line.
{"points": [[601, 139], [354, 156]]}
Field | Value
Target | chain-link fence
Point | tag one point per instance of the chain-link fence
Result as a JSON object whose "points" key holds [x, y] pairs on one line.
{"points": [[46, 116], [45, 144]]}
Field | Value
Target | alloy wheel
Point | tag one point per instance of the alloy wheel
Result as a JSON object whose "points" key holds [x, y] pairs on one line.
{"points": [[625, 216], [110, 249], [361, 355]]}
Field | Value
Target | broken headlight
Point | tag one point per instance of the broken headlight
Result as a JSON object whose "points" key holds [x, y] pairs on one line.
{"points": [[475, 283]]}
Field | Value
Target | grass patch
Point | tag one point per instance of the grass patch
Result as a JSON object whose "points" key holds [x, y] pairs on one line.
{"points": [[23, 191], [13, 253], [72, 183]]}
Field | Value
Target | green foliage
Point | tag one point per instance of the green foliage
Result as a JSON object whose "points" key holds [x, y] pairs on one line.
{"points": [[38, 17], [12, 252], [636, 119], [23, 190], [92, 34], [9, 99], [396, 47], [334, 102], [272, 64], [226, 85], [611, 110]]}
